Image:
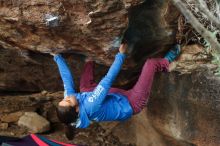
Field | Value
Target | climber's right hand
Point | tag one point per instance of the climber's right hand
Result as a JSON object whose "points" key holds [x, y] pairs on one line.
{"points": [[123, 48], [53, 54]]}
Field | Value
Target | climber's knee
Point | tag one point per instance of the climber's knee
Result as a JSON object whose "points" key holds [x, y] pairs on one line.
{"points": [[139, 103]]}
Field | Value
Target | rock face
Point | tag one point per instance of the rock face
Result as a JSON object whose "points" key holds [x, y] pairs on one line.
{"points": [[34, 122], [3, 126], [12, 117], [90, 28], [186, 107], [183, 110], [86, 27]]}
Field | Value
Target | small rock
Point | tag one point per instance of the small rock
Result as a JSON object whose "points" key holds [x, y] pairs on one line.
{"points": [[12, 133], [44, 92], [3, 126], [12, 117], [34, 122]]}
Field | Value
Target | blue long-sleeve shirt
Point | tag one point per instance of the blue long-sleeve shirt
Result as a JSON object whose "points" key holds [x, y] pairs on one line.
{"points": [[98, 105]]}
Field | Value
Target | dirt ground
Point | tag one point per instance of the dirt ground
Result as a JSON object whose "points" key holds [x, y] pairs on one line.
{"points": [[44, 104]]}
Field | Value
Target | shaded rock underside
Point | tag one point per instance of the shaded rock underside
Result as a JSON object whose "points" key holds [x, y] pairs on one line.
{"points": [[88, 28]]}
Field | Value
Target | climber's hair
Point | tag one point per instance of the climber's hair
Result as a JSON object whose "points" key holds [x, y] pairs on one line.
{"points": [[68, 116], [124, 41]]}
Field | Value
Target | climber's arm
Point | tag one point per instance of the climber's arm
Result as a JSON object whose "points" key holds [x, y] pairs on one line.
{"points": [[113, 71], [69, 87], [115, 67], [105, 84]]}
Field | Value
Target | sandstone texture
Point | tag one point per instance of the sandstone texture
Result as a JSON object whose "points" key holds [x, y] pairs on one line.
{"points": [[184, 105], [183, 110], [86, 28], [34, 122], [12, 117]]}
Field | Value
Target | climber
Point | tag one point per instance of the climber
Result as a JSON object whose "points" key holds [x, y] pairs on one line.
{"points": [[100, 102]]}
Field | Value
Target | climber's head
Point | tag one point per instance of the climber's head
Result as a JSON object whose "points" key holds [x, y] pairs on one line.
{"points": [[69, 101], [67, 112]]}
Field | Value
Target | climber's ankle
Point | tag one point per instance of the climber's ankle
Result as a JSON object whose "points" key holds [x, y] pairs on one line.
{"points": [[173, 53]]}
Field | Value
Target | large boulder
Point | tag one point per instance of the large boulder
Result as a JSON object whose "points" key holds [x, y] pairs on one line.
{"points": [[88, 28], [183, 110], [34, 122]]}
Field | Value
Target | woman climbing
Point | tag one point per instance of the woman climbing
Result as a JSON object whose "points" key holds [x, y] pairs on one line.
{"points": [[100, 102]]}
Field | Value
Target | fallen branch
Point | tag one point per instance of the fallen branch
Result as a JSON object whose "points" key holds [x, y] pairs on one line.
{"points": [[197, 25], [202, 6]]}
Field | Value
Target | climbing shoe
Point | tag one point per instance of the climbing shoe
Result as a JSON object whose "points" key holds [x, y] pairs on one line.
{"points": [[173, 53]]}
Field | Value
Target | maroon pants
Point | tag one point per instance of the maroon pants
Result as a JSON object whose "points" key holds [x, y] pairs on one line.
{"points": [[139, 94]]}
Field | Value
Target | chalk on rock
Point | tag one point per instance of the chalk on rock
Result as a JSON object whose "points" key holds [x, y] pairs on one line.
{"points": [[52, 20], [34, 122]]}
